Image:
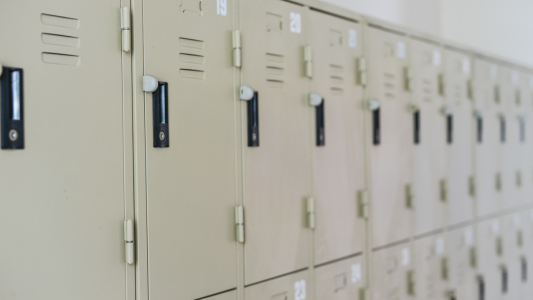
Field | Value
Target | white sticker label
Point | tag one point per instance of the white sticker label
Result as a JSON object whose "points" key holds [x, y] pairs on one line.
{"points": [[515, 77], [352, 38], [400, 50], [222, 7], [436, 58], [405, 256], [465, 65], [517, 220], [495, 226], [493, 72], [299, 290], [469, 237], [439, 245], [296, 22], [356, 272]]}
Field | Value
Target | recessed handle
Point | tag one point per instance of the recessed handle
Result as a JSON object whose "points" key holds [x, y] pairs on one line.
{"points": [[320, 125], [252, 106], [12, 96], [160, 116]]}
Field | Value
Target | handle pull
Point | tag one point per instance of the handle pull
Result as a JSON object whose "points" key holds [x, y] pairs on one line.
{"points": [[318, 102], [12, 99], [479, 122], [160, 115]]}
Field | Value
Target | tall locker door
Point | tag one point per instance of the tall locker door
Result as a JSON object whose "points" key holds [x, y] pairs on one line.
{"points": [[190, 151], [512, 255], [461, 273], [389, 125], [525, 118], [338, 165], [430, 118], [527, 258], [64, 188], [341, 280], [393, 276], [276, 153], [487, 156], [457, 75], [429, 260], [511, 169], [488, 260]]}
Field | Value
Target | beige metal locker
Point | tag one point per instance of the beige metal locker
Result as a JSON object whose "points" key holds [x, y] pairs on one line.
{"points": [[389, 126], [276, 150], [488, 126], [342, 280], [511, 162], [338, 165], [461, 267], [431, 135], [67, 191], [513, 254], [431, 267], [489, 259], [393, 274], [191, 167], [525, 117], [527, 259], [457, 92], [295, 286]]}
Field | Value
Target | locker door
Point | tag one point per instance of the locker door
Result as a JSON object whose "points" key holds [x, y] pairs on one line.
{"points": [[393, 273], [295, 286], [489, 262], [462, 276], [512, 256], [431, 138], [527, 245], [487, 150], [191, 184], [511, 169], [429, 260], [457, 70], [389, 125], [341, 280], [64, 193], [525, 116], [277, 171], [338, 165]]}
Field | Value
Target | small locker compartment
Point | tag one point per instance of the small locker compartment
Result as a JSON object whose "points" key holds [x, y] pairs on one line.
{"points": [[341, 280], [393, 274]]}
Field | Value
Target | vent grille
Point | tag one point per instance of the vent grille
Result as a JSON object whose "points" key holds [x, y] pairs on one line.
{"points": [[390, 87], [192, 58], [275, 70], [56, 43]]}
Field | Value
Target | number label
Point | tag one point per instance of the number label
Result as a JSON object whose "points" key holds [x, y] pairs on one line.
{"points": [[352, 38], [222, 7], [356, 272], [299, 290], [296, 22]]}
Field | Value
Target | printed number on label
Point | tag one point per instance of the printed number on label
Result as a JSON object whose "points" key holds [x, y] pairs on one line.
{"points": [[296, 22], [406, 259], [299, 290], [356, 272], [352, 38], [222, 7]]}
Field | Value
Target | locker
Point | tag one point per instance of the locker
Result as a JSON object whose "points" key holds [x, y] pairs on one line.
{"points": [[525, 97], [338, 165], [191, 176], [431, 267], [513, 254], [459, 153], [393, 274], [389, 124], [511, 163], [341, 280], [527, 248], [433, 135], [489, 259], [462, 276], [295, 286], [66, 163], [488, 141], [277, 170]]}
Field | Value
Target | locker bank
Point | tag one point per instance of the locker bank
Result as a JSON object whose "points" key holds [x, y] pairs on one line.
{"points": [[257, 149]]}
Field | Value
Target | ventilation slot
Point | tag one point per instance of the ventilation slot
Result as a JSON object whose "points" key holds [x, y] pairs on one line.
{"points": [[193, 64], [60, 40], [191, 43], [275, 70], [60, 59], [427, 90], [51, 40], [389, 86], [59, 21]]}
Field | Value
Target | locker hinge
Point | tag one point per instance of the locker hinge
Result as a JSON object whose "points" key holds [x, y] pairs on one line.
{"points": [[518, 97], [519, 179], [128, 241], [520, 239], [310, 212], [470, 89], [237, 53], [407, 79], [125, 25], [473, 257], [497, 97], [361, 71], [444, 190], [499, 246], [239, 223], [409, 197], [442, 85], [308, 61], [498, 182], [445, 268], [363, 294], [472, 186], [362, 204], [411, 283]]}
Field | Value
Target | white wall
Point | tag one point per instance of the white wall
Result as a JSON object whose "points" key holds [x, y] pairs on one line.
{"points": [[499, 27]]}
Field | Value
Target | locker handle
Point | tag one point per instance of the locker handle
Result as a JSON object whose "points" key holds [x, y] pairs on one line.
{"points": [[448, 113], [416, 122], [375, 107], [481, 288], [252, 98], [12, 102], [522, 123], [505, 279], [318, 102], [160, 116], [502, 128], [479, 121]]}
